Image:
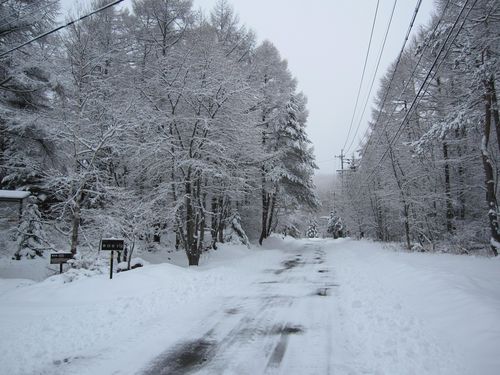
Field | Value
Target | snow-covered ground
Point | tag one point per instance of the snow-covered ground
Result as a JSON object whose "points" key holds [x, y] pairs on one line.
{"points": [[293, 307]]}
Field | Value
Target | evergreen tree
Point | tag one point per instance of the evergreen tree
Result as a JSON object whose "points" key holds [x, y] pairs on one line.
{"points": [[312, 229], [31, 239], [335, 226], [236, 232]]}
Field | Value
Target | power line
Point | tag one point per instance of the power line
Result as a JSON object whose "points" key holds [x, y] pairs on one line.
{"points": [[325, 160], [376, 70], [412, 73], [434, 75], [409, 80], [23, 16], [425, 82], [10, 14], [363, 73], [60, 27], [417, 7]]}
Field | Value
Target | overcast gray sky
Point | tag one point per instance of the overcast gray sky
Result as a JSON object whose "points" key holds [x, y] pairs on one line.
{"points": [[325, 43]]}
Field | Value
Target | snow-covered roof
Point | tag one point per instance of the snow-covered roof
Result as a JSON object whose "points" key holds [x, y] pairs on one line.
{"points": [[14, 194]]}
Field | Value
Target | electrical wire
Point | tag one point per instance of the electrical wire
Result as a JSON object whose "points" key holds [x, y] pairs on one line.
{"points": [[426, 82], [376, 71], [363, 73], [21, 17], [412, 75], [60, 27], [417, 7], [326, 161]]}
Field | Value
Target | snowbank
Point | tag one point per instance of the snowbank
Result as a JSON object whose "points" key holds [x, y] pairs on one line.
{"points": [[34, 269], [48, 325], [419, 313]]}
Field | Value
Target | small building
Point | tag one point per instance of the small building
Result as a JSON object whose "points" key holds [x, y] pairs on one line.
{"points": [[11, 207]]}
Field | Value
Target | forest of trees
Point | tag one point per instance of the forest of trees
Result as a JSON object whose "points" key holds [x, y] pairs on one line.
{"points": [[428, 168], [159, 119]]}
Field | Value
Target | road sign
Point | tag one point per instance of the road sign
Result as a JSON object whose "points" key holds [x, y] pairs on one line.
{"points": [[59, 258], [112, 244]]}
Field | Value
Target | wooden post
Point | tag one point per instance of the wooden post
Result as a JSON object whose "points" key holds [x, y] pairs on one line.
{"points": [[111, 266]]}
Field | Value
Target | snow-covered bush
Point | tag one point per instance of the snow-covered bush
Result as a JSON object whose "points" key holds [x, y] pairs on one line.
{"points": [[74, 274], [134, 263], [88, 261], [291, 230], [236, 234]]}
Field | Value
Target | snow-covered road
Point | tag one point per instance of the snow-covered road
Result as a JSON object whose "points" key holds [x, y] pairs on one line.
{"points": [[294, 307], [282, 323]]}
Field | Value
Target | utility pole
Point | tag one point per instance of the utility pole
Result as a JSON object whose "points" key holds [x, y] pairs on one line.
{"points": [[343, 160], [341, 171], [341, 157]]}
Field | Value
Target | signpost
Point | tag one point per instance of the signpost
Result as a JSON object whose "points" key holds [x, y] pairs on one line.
{"points": [[112, 244], [60, 258]]}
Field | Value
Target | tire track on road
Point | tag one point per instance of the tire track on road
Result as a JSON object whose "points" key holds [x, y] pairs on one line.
{"points": [[251, 334]]}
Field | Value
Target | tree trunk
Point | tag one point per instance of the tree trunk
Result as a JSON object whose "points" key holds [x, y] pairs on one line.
{"points": [[177, 227], [202, 197], [130, 254], [193, 258], [447, 189], [201, 236], [213, 223], [407, 224], [265, 210], [271, 211], [403, 196], [191, 244], [275, 221], [181, 236], [195, 250], [494, 108], [177, 239], [377, 214], [460, 135], [220, 228], [124, 253], [491, 200], [189, 217], [76, 223]]}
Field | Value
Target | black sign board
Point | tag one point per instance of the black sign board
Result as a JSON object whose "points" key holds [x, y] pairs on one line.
{"points": [[59, 258], [112, 244]]}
